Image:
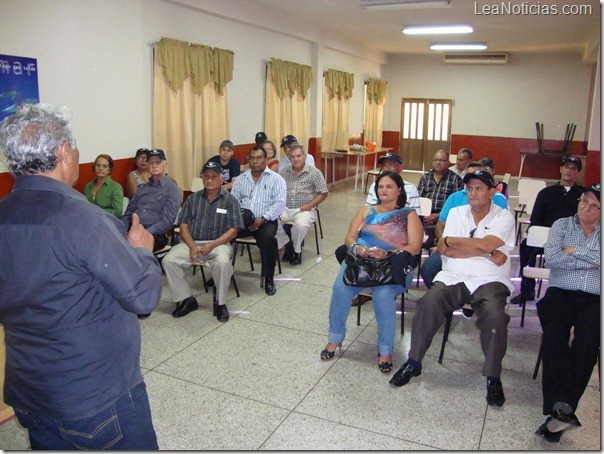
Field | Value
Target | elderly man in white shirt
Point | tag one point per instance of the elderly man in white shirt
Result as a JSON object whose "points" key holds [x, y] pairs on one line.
{"points": [[475, 247]]}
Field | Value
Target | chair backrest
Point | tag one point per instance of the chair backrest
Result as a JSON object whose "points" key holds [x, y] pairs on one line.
{"points": [[506, 178], [125, 206], [537, 236], [425, 205], [197, 184], [453, 158], [527, 192]]}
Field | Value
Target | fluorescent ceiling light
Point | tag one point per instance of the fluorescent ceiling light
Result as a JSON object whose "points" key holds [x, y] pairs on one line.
{"points": [[464, 46], [436, 29], [402, 4]]}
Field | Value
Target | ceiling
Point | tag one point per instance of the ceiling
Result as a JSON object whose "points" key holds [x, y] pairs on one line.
{"points": [[381, 30]]}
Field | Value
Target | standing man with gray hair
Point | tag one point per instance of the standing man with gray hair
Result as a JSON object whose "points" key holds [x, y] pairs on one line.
{"points": [[70, 287]]}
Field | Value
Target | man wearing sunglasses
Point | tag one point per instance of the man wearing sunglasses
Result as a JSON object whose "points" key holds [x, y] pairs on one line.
{"points": [[475, 246]]}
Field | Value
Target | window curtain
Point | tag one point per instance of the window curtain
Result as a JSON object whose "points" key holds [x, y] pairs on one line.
{"points": [[286, 109], [374, 110], [336, 95], [190, 116]]}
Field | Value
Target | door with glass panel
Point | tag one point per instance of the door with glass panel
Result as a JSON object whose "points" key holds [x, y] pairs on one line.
{"points": [[425, 128]]}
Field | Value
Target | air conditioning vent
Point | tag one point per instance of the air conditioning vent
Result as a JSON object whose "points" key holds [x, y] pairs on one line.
{"points": [[500, 58]]}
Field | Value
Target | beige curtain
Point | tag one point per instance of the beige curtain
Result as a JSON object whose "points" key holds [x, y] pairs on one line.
{"points": [[190, 116], [374, 110], [336, 94], [286, 109]]}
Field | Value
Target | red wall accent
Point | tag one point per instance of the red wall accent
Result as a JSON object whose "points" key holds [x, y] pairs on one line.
{"points": [[592, 167]]}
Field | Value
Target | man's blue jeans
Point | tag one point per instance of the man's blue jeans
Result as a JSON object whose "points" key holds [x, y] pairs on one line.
{"points": [[430, 268], [384, 305], [125, 425]]}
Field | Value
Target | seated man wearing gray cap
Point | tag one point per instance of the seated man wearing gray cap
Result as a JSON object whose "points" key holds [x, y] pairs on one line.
{"points": [[231, 168], [209, 221], [475, 247], [286, 144], [572, 301], [156, 202]]}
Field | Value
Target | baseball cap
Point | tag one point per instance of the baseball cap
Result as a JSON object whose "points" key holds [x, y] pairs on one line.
{"points": [[159, 153], [141, 151], [390, 157], [261, 138], [481, 175], [287, 140], [573, 160], [226, 143], [211, 165], [487, 162], [594, 189]]}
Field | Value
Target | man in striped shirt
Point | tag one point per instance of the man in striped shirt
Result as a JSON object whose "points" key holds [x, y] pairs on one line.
{"points": [[209, 221], [262, 193], [572, 300]]}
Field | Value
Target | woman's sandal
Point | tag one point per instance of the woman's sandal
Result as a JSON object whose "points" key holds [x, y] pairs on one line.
{"points": [[326, 355], [385, 367]]}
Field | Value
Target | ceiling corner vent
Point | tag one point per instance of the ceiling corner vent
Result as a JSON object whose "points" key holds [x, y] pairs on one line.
{"points": [[499, 58]]}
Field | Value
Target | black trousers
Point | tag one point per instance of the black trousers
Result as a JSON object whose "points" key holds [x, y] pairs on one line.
{"points": [[265, 237], [528, 255], [567, 367], [159, 242]]}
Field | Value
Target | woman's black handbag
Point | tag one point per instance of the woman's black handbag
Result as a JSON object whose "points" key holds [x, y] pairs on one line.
{"points": [[367, 272]]}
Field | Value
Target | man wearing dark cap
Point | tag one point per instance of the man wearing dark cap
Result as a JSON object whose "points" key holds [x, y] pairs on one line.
{"points": [[260, 138], [392, 162], [231, 168], [552, 203], [286, 144], [209, 221], [156, 202], [475, 247], [572, 301]]}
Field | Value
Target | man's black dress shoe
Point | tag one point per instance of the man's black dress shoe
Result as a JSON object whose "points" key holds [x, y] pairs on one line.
{"points": [[404, 374], [495, 395], [552, 437], [558, 421], [269, 286], [517, 300], [295, 258], [187, 305], [287, 255], [223, 313], [143, 316]]}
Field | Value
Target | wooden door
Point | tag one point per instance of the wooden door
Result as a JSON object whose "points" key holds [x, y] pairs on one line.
{"points": [[425, 128]]}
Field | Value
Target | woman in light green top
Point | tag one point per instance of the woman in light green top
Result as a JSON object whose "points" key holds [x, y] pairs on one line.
{"points": [[103, 191]]}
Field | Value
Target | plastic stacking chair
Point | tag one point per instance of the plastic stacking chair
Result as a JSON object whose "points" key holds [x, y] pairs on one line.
{"points": [[536, 237]]}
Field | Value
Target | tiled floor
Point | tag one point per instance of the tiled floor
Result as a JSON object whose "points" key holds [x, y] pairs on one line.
{"points": [[256, 382]]}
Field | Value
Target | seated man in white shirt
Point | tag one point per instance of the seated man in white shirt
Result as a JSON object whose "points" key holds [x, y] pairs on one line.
{"points": [[475, 247], [286, 143]]}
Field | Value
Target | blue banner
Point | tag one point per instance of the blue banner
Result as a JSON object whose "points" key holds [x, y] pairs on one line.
{"points": [[18, 83]]}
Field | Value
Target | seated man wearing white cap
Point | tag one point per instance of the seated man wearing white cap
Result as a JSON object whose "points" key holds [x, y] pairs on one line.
{"points": [[209, 221]]}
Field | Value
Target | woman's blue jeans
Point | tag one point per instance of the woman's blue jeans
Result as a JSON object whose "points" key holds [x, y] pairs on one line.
{"points": [[384, 305], [125, 425]]}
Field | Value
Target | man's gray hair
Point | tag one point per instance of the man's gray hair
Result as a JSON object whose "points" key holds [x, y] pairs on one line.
{"points": [[30, 137], [296, 146]]}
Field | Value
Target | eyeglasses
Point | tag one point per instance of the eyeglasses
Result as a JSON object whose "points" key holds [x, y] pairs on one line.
{"points": [[473, 231]]}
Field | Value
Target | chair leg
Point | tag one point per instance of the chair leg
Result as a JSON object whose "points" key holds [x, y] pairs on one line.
{"points": [[235, 285], [448, 319], [320, 226], [403, 314], [539, 358], [214, 303], [358, 310], [203, 276], [523, 304], [316, 238], [419, 265], [366, 181], [249, 253]]}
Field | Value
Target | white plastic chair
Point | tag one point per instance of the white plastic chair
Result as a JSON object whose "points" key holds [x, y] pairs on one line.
{"points": [[125, 207], [197, 184], [527, 194], [425, 205], [536, 237]]}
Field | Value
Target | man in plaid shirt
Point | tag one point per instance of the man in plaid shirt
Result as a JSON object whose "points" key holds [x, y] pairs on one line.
{"points": [[572, 300], [306, 189]]}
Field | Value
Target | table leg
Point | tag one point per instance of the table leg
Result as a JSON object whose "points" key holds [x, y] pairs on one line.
{"points": [[522, 158], [347, 165]]}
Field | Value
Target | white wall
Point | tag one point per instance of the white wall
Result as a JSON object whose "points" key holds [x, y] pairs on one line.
{"points": [[497, 100], [91, 58]]}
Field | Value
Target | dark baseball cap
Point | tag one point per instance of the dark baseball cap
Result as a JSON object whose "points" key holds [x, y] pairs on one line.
{"points": [[594, 189], [211, 165], [226, 143], [159, 153], [287, 140], [573, 160], [390, 157], [141, 151], [481, 175], [261, 138]]}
